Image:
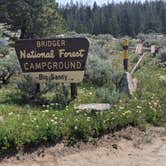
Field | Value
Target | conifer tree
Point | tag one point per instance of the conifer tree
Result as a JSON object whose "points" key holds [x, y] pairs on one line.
{"points": [[35, 18]]}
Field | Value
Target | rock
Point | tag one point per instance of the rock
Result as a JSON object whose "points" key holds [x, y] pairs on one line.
{"points": [[18, 157], [127, 85], [94, 106], [115, 146]]}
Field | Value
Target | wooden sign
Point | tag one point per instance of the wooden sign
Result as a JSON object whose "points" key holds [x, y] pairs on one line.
{"points": [[139, 49], [153, 49], [59, 60]]}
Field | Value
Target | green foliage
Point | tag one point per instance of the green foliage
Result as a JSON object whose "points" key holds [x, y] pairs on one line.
{"points": [[107, 95], [27, 125], [57, 98], [98, 71], [8, 64], [37, 18], [152, 39], [4, 51], [118, 19], [27, 87], [61, 95], [162, 56], [1, 34], [98, 68]]}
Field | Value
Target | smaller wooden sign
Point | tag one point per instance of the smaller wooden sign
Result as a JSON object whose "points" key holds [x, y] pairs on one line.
{"points": [[153, 49], [139, 49]]}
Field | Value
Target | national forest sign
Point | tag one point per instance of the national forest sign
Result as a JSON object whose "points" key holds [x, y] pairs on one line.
{"points": [[59, 60]]}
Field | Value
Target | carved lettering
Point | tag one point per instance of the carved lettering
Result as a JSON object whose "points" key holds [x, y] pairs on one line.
{"points": [[49, 66], [50, 43], [75, 54], [35, 55]]}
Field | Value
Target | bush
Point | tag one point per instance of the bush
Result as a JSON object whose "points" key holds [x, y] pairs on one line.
{"points": [[61, 96], [98, 68], [8, 65], [162, 55], [98, 72], [151, 39], [107, 95], [4, 51], [107, 37], [49, 93], [27, 87]]}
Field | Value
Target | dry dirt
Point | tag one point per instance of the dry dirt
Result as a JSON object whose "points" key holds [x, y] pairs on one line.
{"points": [[128, 147]]}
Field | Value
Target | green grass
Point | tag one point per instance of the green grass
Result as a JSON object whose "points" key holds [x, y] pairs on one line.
{"points": [[22, 125]]}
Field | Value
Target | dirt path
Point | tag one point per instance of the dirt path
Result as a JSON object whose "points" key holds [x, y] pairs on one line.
{"points": [[129, 147]]}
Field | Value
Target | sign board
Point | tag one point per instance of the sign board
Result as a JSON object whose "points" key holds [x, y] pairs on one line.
{"points": [[153, 49], [59, 60], [139, 48]]}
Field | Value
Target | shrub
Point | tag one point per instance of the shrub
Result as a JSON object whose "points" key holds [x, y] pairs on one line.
{"points": [[61, 96], [50, 93], [107, 37], [98, 72], [162, 55], [107, 95], [8, 65], [151, 39], [4, 51], [97, 50], [27, 87], [98, 68]]}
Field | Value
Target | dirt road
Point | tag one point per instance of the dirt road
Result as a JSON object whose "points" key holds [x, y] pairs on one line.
{"points": [[129, 147]]}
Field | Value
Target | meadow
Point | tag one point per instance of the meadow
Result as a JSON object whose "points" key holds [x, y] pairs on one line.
{"points": [[28, 119]]}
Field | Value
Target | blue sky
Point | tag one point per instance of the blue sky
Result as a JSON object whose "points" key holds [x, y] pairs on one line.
{"points": [[91, 1]]}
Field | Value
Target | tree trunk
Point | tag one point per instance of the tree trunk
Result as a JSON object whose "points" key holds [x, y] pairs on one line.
{"points": [[4, 81]]}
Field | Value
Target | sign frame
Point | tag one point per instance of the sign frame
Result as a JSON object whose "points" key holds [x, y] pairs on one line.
{"points": [[61, 60]]}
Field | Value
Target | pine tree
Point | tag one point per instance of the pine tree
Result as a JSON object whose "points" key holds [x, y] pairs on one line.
{"points": [[129, 18], [37, 18]]}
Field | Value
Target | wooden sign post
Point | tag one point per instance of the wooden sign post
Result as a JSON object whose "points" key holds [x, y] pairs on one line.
{"points": [[73, 90], [58, 60], [139, 49], [125, 54]]}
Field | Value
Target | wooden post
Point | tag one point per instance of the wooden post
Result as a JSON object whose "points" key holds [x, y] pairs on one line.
{"points": [[37, 88], [125, 54], [73, 90], [135, 67]]}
